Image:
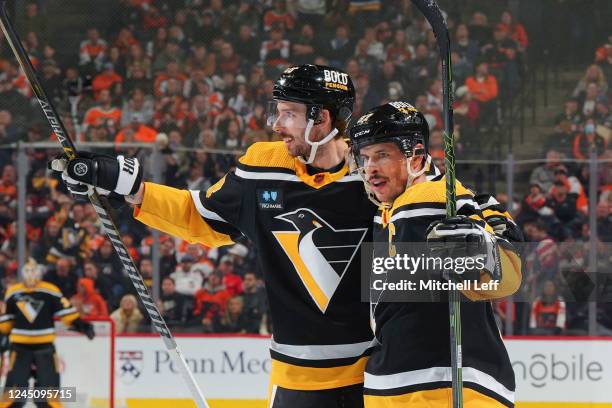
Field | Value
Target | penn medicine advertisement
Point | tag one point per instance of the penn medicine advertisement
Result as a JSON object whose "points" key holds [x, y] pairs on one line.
{"points": [[233, 371]]}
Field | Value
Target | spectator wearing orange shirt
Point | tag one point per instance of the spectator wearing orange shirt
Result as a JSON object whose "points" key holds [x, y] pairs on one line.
{"points": [[548, 311], [93, 50], [106, 79], [172, 71], [516, 30], [103, 114], [482, 85], [8, 184], [573, 186], [275, 51], [137, 131], [483, 88], [125, 40], [88, 301], [200, 59], [278, 15], [210, 301], [587, 140]]}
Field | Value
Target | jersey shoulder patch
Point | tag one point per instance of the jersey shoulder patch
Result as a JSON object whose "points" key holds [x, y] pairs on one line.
{"points": [[268, 154]]}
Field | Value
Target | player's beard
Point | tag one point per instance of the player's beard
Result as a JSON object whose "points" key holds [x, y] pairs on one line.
{"points": [[296, 146]]}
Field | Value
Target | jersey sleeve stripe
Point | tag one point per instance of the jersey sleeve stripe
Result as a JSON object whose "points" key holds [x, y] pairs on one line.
{"points": [[322, 352], [6, 318], [64, 312], [25, 332], [252, 175], [204, 212], [260, 169], [435, 375]]}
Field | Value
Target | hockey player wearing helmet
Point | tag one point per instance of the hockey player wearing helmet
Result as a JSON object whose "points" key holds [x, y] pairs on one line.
{"points": [[306, 214], [31, 307], [411, 364]]}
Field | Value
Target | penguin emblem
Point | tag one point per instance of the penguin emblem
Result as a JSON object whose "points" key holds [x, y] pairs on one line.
{"points": [[319, 253], [30, 307]]}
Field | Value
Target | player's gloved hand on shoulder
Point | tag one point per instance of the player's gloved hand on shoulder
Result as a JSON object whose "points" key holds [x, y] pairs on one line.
{"points": [[84, 327], [463, 238], [114, 177]]}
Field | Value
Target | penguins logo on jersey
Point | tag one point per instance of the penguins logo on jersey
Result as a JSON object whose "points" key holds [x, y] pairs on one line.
{"points": [[319, 253], [29, 307]]}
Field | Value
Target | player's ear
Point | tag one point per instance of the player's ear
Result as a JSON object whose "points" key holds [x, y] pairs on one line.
{"points": [[324, 118], [418, 158]]}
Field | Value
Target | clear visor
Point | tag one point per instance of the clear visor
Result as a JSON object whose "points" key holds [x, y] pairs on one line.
{"points": [[286, 115]]}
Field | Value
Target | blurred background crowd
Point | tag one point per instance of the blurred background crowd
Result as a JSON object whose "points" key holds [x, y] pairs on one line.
{"points": [[192, 78]]}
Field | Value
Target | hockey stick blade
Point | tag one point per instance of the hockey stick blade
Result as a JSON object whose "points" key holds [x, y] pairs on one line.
{"points": [[101, 208]]}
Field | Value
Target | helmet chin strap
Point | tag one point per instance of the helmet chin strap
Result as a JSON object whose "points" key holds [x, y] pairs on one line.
{"points": [[412, 175], [314, 146]]}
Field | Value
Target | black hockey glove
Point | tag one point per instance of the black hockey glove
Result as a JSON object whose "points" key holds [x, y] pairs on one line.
{"points": [[114, 177], [84, 327], [467, 243]]}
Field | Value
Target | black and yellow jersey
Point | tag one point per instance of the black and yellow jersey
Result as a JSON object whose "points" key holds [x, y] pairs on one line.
{"points": [[411, 363], [307, 229], [30, 313]]}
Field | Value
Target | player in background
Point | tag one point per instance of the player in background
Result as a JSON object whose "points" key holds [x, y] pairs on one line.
{"points": [[411, 365], [307, 216], [31, 307]]}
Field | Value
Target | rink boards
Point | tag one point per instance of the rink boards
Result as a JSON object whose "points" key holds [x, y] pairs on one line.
{"points": [[233, 371]]}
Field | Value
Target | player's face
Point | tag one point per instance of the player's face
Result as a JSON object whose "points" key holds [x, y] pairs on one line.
{"points": [[385, 170], [289, 124]]}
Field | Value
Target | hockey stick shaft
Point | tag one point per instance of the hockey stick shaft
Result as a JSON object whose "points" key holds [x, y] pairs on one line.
{"points": [[102, 208], [434, 16]]}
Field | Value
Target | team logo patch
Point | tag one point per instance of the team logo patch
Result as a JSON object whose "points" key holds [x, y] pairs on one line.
{"points": [[30, 307], [320, 253], [81, 169], [403, 107], [131, 364], [270, 199]]}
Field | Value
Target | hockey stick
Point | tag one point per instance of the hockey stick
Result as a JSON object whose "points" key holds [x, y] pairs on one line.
{"points": [[102, 208], [434, 16]]}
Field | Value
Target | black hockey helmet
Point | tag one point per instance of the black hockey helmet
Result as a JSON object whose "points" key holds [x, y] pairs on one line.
{"points": [[397, 122], [318, 87]]}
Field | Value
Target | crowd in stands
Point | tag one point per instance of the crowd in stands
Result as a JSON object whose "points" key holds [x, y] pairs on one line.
{"points": [[193, 76], [554, 212]]}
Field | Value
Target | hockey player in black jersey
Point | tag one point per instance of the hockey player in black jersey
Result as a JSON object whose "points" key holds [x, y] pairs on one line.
{"points": [[411, 364], [31, 307], [296, 201]]}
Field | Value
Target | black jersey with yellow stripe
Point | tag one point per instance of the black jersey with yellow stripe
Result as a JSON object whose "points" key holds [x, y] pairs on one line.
{"points": [[411, 364], [307, 229], [30, 313]]}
